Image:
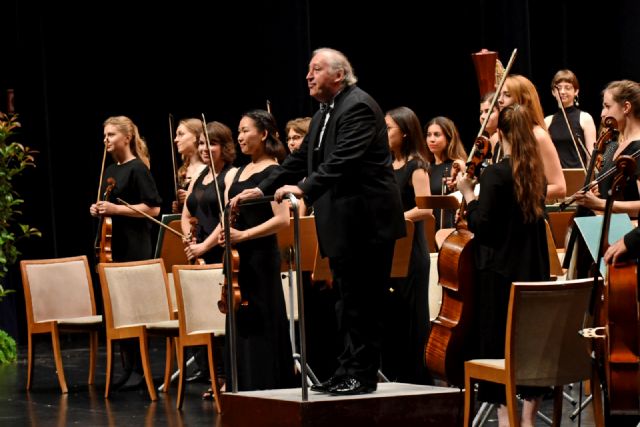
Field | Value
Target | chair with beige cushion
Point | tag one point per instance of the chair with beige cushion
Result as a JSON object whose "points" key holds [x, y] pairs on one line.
{"points": [[59, 299], [542, 347], [197, 294], [136, 305]]}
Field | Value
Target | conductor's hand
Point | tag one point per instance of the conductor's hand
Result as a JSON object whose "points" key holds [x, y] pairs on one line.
{"points": [[249, 193], [614, 251], [286, 189]]}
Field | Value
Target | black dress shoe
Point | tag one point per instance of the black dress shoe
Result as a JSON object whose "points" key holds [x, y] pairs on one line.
{"points": [[199, 376], [135, 382], [122, 379], [350, 386], [324, 387]]}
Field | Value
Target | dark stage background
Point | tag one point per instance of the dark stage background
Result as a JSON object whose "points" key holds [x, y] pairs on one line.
{"points": [[223, 58]]}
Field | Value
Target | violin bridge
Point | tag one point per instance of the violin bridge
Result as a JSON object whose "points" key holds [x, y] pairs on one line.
{"points": [[593, 332]]}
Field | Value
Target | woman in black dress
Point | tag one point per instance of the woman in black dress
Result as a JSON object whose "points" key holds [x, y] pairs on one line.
{"points": [[202, 201], [506, 219], [444, 148], [407, 314], [264, 348], [131, 231]]}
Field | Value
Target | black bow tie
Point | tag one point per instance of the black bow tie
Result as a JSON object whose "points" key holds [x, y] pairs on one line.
{"points": [[325, 107]]}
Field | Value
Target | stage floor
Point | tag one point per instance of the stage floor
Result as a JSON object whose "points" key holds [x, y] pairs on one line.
{"points": [[86, 406]]}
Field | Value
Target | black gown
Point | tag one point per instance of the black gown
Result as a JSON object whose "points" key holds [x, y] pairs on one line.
{"points": [[264, 349], [437, 174], [131, 237], [407, 306], [202, 204], [500, 232]]}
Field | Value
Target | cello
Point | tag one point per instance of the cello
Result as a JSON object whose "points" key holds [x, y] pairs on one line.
{"points": [[445, 349], [615, 307]]}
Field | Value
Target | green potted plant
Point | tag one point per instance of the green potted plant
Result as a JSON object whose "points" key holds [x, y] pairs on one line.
{"points": [[14, 159]]}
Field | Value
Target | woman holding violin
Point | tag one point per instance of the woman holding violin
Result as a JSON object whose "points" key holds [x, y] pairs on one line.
{"points": [[620, 100], [131, 232], [202, 200], [572, 131], [263, 345], [507, 218], [187, 141]]}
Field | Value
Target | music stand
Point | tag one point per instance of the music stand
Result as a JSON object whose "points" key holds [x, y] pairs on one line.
{"points": [[402, 252], [448, 201], [308, 242], [574, 179]]}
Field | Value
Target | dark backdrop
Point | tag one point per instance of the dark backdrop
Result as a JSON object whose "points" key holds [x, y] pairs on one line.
{"points": [[223, 58]]}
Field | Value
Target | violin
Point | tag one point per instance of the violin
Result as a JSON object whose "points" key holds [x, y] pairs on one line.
{"points": [[608, 132], [615, 305], [193, 221], [235, 287], [234, 256], [103, 248]]}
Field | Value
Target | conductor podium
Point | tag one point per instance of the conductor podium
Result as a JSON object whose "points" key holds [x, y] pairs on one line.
{"points": [[392, 404]]}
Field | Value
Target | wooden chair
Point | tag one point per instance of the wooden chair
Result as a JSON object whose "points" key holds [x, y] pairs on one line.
{"points": [[58, 294], [542, 345], [136, 305], [170, 248], [197, 291]]}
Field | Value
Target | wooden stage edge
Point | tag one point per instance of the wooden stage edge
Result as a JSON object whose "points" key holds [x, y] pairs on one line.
{"points": [[392, 404]]}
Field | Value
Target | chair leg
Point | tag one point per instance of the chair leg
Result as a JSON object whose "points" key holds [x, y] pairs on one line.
{"points": [[93, 352], [29, 359], [598, 403], [57, 355], [557, 406], [109, 366], [468, 399], [512, 404], [168, 365], [182, 365], [215, 387], [146, 366]]}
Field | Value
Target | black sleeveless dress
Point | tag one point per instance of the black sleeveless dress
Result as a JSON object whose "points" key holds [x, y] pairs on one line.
{"points": [[264, 348], [561, 137], [407, 306], [202, 204]]}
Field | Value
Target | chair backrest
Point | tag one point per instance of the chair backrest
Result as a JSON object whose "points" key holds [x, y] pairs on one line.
{"points": [[57, 289], [197, 294], [134, 292], [543, 347], [169, 247]]}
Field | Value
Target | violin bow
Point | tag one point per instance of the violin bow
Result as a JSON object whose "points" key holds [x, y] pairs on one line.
{"points": [[173, 156], [146, 215], [104, 158], [573, 137], [268, 106], [211, 164]]}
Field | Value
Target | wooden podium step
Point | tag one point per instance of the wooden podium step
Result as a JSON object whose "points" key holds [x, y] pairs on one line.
{"points": [[393, 404]]}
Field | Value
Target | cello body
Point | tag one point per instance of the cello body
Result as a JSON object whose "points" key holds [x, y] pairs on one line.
{"points": [[445, 352], [619, 316]]}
